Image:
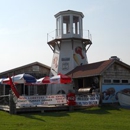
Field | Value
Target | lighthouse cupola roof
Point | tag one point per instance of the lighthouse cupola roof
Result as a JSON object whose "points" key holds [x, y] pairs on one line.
{"points": [[69, 12], [69, 24]]}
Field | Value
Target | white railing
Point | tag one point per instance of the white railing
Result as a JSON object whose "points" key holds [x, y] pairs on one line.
{"points": [[52, 35]]}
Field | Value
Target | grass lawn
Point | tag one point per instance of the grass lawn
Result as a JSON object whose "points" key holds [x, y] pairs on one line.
{"points": [[95, 118]]}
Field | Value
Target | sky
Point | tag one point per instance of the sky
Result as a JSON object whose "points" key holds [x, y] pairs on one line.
{"points": [[24, 25]]}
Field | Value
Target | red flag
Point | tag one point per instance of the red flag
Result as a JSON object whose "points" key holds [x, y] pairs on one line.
{"points": [[13, 88]]}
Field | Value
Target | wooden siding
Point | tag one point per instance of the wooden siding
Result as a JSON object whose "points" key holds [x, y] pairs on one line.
{"points": [[117, 72], [43, 71]]}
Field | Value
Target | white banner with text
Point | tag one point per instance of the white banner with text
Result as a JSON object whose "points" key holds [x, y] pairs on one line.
{"points": [[41, 100]]}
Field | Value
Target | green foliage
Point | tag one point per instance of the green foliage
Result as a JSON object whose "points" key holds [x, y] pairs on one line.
{"points": [[95, 118]]}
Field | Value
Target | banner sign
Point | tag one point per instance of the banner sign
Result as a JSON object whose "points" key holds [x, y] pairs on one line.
{"points": [[45, 100], [87, 100], [42, 100]]}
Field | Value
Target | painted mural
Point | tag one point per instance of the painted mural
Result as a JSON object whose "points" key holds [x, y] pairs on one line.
{"points": [[78, 55], [109, 92]]}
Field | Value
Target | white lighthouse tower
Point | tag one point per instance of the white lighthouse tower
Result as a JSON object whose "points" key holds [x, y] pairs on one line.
{"points": [[69, 47]]}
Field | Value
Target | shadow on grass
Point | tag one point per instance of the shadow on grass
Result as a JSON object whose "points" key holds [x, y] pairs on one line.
{"points": [[104, 109], [34, 116], [39, 116]]}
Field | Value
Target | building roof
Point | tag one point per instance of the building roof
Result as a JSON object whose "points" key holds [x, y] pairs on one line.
{"points": [[21, 67], [69, 12], [94, 69]]}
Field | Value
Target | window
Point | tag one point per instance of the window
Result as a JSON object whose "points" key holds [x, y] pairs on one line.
{"points": [[124, 81], [75, 25], [35, 68], [116, 81], [107, 81], [58, 27], [66, 24]]}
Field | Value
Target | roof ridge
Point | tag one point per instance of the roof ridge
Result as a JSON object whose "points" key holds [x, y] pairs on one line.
{"points": [[33, 63]]}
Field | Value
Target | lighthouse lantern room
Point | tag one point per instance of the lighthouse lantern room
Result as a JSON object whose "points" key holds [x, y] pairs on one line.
{"points": [[69, 24], [69, 47]]}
